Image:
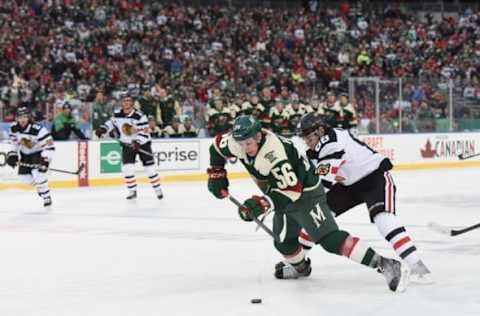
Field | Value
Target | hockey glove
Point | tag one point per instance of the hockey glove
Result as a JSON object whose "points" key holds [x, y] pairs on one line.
{"points": [[43, 161], [217, 181], [12, 159], [100, 132], [254, 206], [135, 145]]}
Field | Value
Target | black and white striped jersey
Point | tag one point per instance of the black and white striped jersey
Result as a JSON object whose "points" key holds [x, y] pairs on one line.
{"points": [[130, 127], [339, 153], [31, 139]]}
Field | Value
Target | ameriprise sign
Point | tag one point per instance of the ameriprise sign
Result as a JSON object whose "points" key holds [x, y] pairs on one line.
{"points": [[177, 155]]}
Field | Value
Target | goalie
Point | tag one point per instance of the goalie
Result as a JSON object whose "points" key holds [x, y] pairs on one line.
{"points": [[35, 146], [132, 128]]}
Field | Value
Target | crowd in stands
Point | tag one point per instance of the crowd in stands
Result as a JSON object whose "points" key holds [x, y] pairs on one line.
{"points": [[200, 67]]}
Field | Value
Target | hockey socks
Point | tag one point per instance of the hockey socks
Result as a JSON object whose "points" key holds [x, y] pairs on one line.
{"points": [[154, 178], [397, 236]]}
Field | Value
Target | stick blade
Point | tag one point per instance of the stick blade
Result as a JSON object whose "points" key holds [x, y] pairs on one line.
{"points": [[440, 228]]}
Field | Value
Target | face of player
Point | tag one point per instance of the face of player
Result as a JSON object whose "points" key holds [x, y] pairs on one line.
{"points": [[251, 145], [127, 105], [312, 139], [23, 120]]}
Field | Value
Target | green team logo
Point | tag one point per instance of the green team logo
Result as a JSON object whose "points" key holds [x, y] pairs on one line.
{"points": [[110, 158]]}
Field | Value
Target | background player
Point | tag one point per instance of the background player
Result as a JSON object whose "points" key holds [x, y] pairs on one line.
{"points": [[35, 146], [132, 127], [357, 174], [296, 196]]}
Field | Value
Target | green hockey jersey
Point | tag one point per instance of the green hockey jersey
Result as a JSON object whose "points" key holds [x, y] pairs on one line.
{"points": [[278, 163]]}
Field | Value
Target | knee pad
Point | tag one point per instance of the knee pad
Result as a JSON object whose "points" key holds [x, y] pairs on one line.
{"points": [[27, 179], [39, 177], [150, 170], [128, 169]]}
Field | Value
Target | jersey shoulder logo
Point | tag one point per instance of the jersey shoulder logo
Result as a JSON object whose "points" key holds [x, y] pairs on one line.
{"points": [[270, 156], [323, 169]]}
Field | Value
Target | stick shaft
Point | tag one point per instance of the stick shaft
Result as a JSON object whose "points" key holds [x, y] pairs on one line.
{"points": [[29, 165], [456, 232]]}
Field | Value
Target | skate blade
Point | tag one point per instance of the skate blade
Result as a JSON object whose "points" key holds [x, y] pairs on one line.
{"points": [[426, 279], [404, 280]]}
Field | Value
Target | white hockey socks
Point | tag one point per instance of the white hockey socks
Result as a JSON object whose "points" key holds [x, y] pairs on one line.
{"points": [[397, 236], [41, 184], [154, 179], [130, 179]]}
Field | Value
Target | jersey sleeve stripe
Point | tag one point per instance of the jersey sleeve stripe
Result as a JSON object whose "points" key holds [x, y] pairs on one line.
{"points": [[44, 137]]}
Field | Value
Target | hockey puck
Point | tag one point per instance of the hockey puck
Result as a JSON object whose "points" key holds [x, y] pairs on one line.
{"points": [[256, 300]]}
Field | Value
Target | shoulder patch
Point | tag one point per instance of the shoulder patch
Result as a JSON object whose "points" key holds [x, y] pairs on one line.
{"points": [[270, 156]]}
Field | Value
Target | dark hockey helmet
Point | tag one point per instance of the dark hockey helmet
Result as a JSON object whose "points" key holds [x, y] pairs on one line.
{"points": [[245, 127], [23, 111], [309, 123]]}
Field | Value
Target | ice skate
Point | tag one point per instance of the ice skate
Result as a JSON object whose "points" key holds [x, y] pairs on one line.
{"points": [[159, 193], [395, 273], [132, 195], [47, 202], [285, 270], [420, 274]]}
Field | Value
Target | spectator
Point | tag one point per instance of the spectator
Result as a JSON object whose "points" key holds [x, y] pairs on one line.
{"points": [[219, 119], [155, 131], [349, 117], [101, 111], [190, 130], [425, 118], [176, 130], [64, 124]]}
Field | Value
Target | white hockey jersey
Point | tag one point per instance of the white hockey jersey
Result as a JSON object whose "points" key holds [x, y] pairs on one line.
{"points": [[130, 127], [31, 139], [340, 157]]}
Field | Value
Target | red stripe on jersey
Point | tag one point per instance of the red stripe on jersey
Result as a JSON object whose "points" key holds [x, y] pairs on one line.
{"points": [[401, 242], [218, 139], [393, 193], [348, 245], [335, 169], [305, 236], [296, 188]]}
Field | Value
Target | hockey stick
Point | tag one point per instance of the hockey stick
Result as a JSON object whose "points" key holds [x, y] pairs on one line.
{"points": [[463, 157], [259, 223], [28, 165], [140, 150], [450, 230]]}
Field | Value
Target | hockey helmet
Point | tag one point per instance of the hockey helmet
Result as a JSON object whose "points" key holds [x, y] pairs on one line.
{"points": [[23, 111], [245, 127], [309, 123]]}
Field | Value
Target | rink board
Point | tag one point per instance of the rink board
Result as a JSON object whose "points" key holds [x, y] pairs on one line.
{"points": [[187, 159]]}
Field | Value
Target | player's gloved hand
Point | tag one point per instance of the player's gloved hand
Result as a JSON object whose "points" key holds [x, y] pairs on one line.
{"points": [[44, 160], [135, 145], [12, 159], [254, 207], [217, 181], [100, 131]]}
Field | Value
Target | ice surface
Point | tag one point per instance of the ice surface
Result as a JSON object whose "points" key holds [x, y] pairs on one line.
{"points": [[98, 254]]}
